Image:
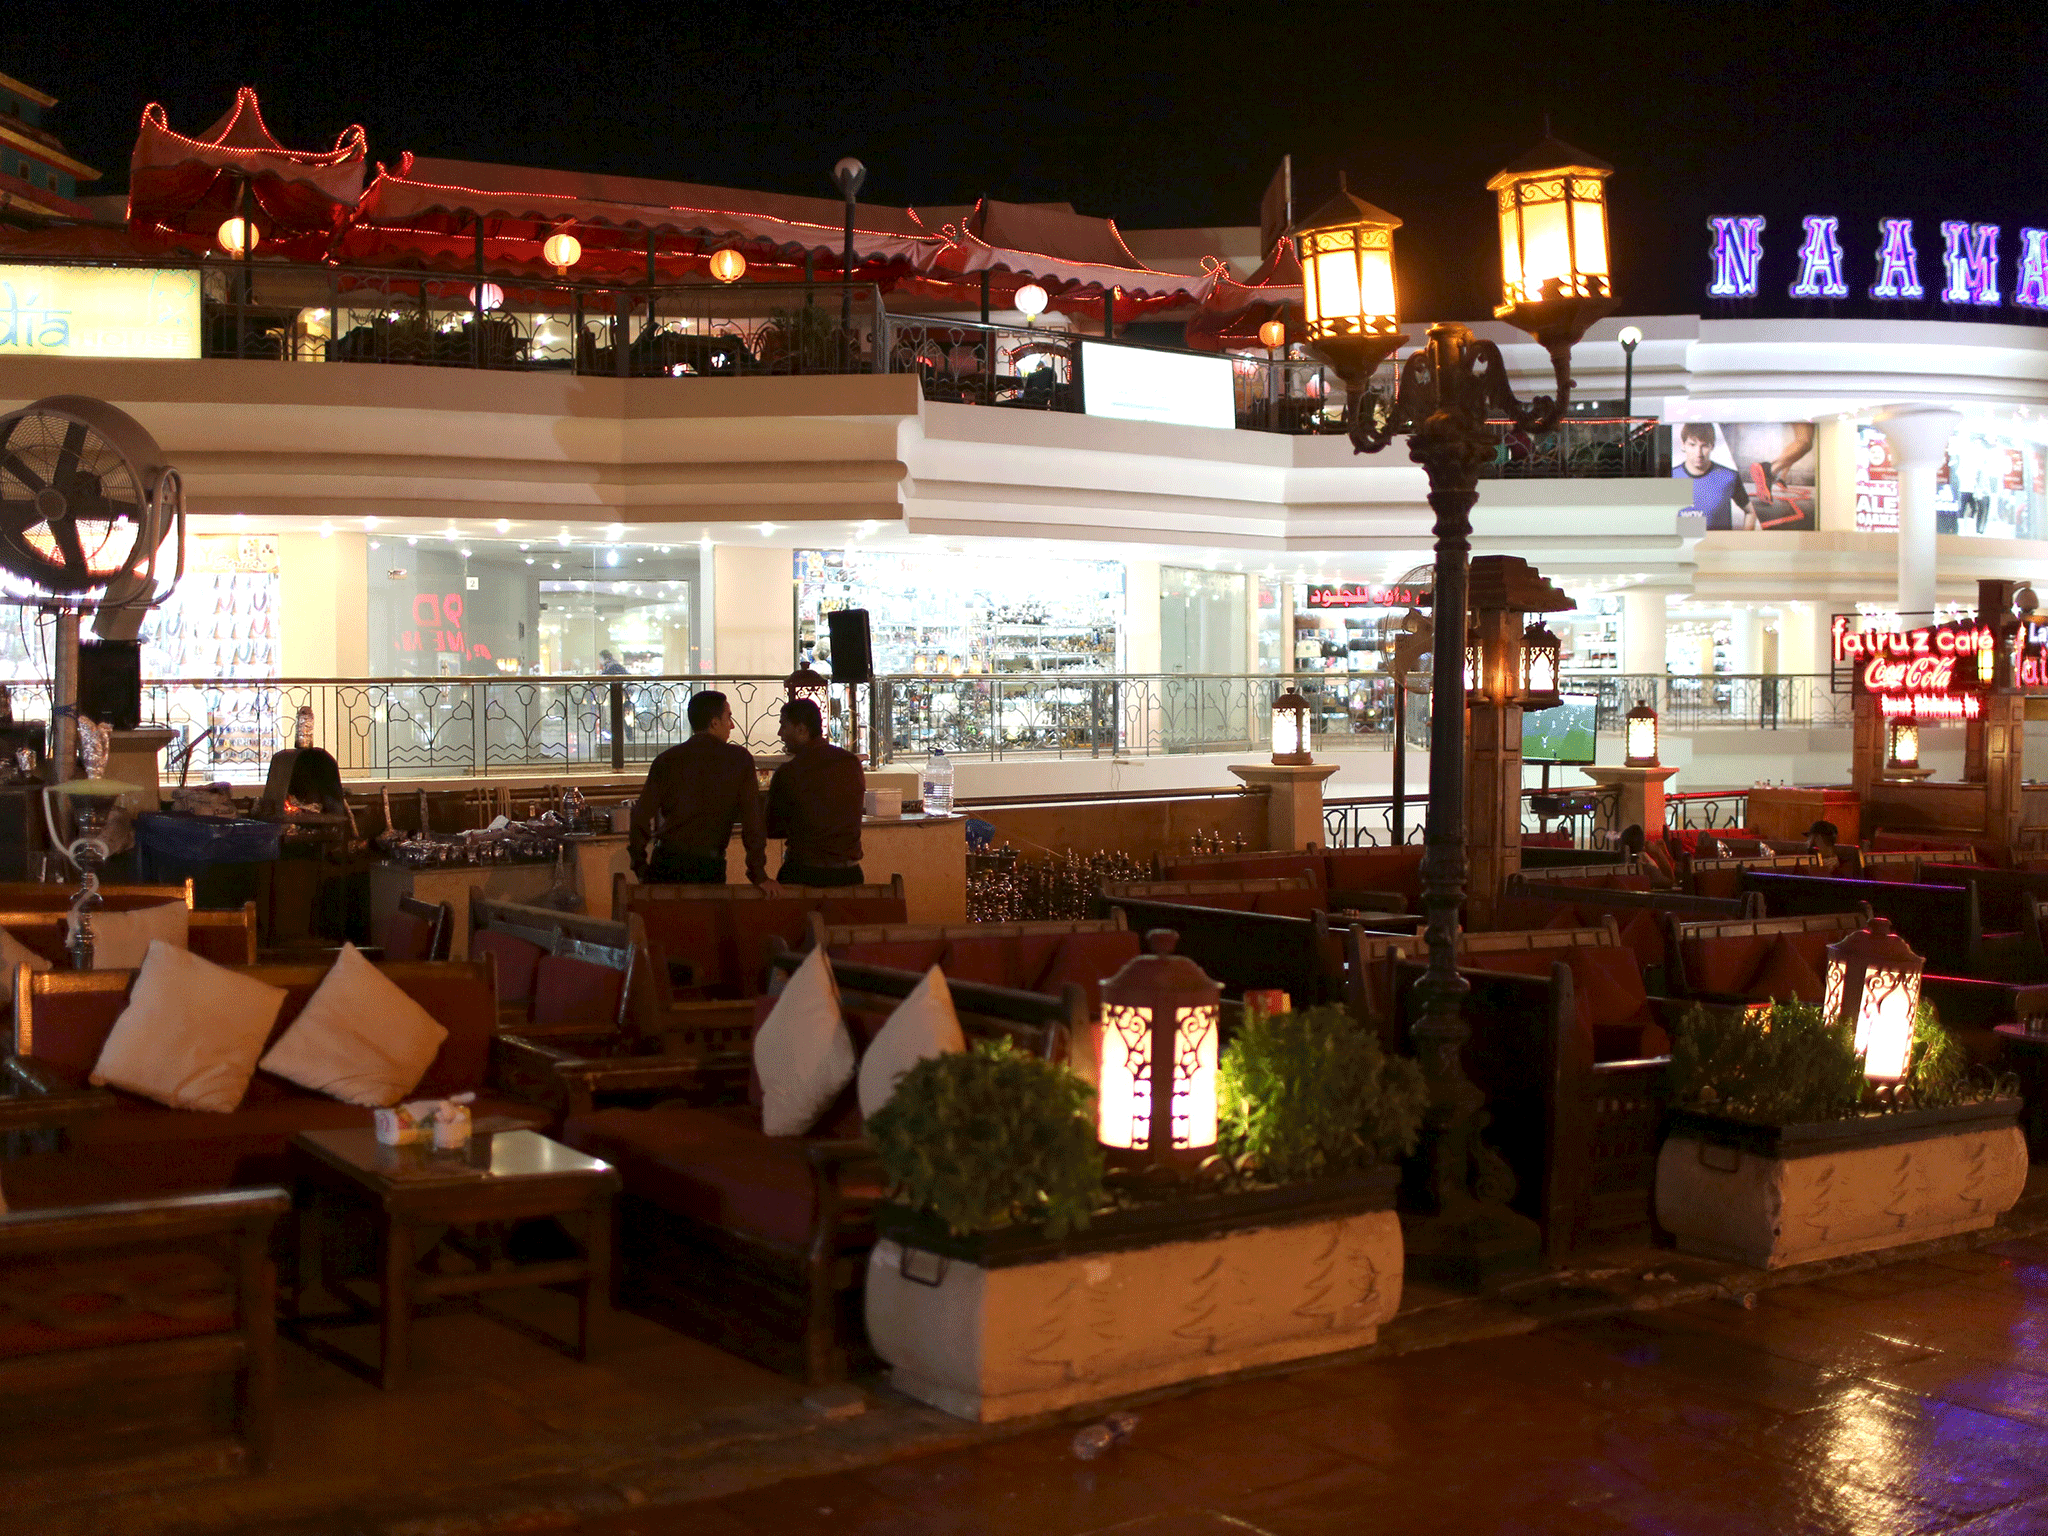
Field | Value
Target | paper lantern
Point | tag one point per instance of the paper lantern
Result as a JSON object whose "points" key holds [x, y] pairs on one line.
{"points": [[1156, 1071], [238, 236], [728, 266], [562, 251], [1874, 979], [1273, 335], [1291, 728], [487, 296], [1031, 301], [1640, 737]]}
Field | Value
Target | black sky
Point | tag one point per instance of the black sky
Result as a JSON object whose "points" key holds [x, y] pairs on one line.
{"points": [[1156, 115]]}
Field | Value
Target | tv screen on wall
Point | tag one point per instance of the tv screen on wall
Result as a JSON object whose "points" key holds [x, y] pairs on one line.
{"points": [[1564, 734]]}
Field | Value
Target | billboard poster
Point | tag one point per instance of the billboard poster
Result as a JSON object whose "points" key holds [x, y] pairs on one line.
{"points": [[98, 312], [1877, 483], [1748, 476]]}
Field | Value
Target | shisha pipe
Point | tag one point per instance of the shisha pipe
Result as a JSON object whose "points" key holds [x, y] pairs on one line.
{"points": [[88, 850]]}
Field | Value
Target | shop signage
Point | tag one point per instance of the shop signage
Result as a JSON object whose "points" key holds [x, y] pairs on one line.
{"points": [[98, 312], [1877, 483], [1969, 262], [437, 626], [1933, 673], [1138, 384], [1355, 594]]}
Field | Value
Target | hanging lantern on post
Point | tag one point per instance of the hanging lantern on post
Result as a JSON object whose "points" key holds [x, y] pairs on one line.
{"points": [[1156, 1077], [487, 296], [562, 250], [238, 236], [1553, 242], [1874, 980], [1640, 737], [728, 266], [1542, 654], [804, 683], [1902, 745], [1478, 681], [1273, 335], [1291, 728]]}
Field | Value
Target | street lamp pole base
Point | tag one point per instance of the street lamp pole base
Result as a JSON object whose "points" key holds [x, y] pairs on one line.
{"points": [[1471, 1245]]}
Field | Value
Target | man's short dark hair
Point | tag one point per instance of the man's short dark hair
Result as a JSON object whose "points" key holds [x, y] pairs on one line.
{"points": [[1698, 431], [1825, 829], [805, 713], [704, 708]]}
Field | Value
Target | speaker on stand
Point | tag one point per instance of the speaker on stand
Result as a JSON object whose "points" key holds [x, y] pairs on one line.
{"points": [[853, 663]]}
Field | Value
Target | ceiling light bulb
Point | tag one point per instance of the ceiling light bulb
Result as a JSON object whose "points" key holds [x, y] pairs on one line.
{"points": [[562, 538], [504, 525], [372, 522]]}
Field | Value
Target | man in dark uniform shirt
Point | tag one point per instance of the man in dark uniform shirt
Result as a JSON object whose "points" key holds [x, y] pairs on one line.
{"points": [[815, 803], [695, 791]]}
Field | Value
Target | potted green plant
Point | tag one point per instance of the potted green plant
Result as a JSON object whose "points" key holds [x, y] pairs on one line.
{"points": [[1008, 1278], [1781, 1150]]}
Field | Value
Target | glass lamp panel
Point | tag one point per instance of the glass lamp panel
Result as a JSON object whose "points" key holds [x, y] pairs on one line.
{"points": [[1539, 670], [1194, 1077], [1376, 284], [1475, 669], [1837, 989], [1289, 731], [1589, 229], [1642, 739], [1123, 1112], [1510, 243], [1337, 293], [1884, 1020], [1546, 239]]}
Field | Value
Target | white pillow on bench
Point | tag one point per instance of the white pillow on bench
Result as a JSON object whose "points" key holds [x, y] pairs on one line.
{"points": [[924, 1024], [802, 1051]]}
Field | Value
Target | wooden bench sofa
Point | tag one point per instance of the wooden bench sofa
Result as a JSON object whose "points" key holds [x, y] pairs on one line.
{"points": [[759, 1243]]}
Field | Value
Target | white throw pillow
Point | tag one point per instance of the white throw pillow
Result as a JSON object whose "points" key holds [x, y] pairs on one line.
{"points": [[802, 1051], [190, 1034], [924, 1024], [121, 940], [359, 1038]]}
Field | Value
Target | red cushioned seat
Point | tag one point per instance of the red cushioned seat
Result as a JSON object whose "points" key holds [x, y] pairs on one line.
{"points": [[1396, 870], [711, 1165], [1087, 960], [51, 1305], [1288, 903], [517, 959], [918, 955], [1720, 884], [567, 990], [1248, 866], [1566, 917], [407, 937], [689, 947], [1519, 962], [842, 911], [1785, 975], [754, 925], [1724, 964], [993, 962], [1221, 901], [1644, 938]]}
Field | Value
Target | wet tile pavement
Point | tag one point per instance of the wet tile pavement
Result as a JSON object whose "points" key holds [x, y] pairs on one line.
{"points": [[1911, 1398]]}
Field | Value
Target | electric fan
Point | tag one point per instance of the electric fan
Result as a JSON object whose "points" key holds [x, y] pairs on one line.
{"points": [[86, 501]]}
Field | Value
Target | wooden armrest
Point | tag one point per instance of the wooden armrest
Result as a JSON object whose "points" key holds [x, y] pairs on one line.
{"points": [[85, 1227]]}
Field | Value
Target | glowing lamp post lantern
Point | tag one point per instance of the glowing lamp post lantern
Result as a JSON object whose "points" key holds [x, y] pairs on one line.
{"points": [[1903, 748], [728, 266], [238, 237], [1542, 653], [1874, 979], [1347, 285], [562, 250], [1640, 738], [1553, 240], [1156, 1105], [1291, 729]]}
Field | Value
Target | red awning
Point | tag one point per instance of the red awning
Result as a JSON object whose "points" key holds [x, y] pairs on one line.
{"points": [[1233, 311], [301, 196], [1075, 257]]}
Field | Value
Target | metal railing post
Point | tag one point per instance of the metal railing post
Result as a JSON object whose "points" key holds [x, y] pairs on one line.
{"points": [[618, 714]]}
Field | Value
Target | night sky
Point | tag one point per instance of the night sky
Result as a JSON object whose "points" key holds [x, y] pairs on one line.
{"points": [[1155, 115]]}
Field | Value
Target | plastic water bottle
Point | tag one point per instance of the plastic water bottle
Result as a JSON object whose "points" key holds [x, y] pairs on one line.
{"points": [[935, 784]]}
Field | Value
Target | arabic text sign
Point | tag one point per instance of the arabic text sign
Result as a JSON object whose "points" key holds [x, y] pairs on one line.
{"points": [[98, 312]]}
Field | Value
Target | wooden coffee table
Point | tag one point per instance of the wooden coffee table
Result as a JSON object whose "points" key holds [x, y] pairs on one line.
{"points": [[421, 1201]]}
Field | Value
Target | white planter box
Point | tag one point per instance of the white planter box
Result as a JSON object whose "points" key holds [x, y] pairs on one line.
{"points": [[1773, 1196], [1011, 1339]]}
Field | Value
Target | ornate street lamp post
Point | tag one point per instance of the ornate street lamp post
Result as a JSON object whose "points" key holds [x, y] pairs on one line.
{"points": [[1553, 233]]}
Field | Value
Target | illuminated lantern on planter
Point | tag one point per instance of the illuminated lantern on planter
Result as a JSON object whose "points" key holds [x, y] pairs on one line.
{"points": [[487, 296], [1157, 1069], [1903, 748], [728, 266], [1874, 979], [1031, 301], [803, 683], [1541, 656], [1553, 241], [1291, 729], [1640, 738], [238, 236], [562, 251]]}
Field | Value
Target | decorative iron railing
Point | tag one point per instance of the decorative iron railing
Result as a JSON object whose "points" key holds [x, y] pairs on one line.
{"points": [[1589, 817], [1746, 701]]}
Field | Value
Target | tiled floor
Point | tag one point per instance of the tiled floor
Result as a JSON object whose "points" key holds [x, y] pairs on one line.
{"points": [[1912, 1398]]}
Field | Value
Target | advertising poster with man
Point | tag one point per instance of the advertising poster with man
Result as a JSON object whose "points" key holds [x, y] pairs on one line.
{"points": [[1750, 476]]}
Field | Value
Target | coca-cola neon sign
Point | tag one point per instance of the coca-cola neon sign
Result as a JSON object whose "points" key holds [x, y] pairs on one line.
{"points": [[1938, 672]]}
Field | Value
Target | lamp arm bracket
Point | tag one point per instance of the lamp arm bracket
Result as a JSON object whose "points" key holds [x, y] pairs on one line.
{"points": [[1451, 387]]}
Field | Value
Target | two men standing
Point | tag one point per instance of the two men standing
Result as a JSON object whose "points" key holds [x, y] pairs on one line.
{"points": [[700, 788]]}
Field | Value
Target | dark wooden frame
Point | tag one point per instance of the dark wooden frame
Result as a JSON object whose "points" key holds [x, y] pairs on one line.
{"points": [[1251, 951], [243, 1218]]}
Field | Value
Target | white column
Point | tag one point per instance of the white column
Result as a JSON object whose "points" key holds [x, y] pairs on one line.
{"points": [[1919, 437], [1745, 641], [1642, 633]]}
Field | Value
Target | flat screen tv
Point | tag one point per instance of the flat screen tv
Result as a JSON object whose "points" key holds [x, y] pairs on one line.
{"points": [[1564, 734]]}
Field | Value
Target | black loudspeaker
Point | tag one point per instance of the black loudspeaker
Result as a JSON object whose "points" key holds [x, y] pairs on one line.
{"points": [[110, 682], [853, 659]]}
